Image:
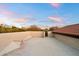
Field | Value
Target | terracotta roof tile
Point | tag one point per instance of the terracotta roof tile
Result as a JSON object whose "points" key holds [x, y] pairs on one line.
{"points": [[71, 30]]}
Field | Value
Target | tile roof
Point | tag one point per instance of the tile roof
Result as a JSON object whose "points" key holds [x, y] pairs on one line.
{"points": [[69, 30]]}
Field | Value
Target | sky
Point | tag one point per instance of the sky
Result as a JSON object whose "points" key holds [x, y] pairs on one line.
{"points": [[40, 14]]}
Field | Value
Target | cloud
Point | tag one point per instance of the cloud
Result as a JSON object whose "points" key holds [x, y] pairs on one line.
{"points": [[58, 24], [56, 5], [4, 10], [55, 18], [7, 13], [20, 20]]}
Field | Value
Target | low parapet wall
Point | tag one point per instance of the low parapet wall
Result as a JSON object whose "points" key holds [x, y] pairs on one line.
{"points": [[74, 35], [72, 41]]}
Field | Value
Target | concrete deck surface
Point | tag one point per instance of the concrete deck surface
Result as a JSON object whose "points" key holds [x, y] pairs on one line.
{"points": [[44, 47]]}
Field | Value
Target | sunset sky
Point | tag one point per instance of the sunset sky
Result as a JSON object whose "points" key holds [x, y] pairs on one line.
{"points": [[41, 14]]}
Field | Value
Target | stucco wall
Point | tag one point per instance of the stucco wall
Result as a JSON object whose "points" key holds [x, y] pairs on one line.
{"points": [[74, 42]]}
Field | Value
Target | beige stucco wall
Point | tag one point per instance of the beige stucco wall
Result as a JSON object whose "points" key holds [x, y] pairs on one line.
{"points": [[74, 42]]}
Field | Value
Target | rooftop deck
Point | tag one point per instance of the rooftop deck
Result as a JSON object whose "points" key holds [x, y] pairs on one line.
{"points": [[37, 45], [44, 47]]}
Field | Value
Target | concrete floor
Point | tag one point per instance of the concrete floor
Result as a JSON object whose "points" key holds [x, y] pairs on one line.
{"points": [[44, 47]]}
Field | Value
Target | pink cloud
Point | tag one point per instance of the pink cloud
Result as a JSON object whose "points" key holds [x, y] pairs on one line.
{"points": [[4, 10], [7, 13], [56, 5], [20, 20], [55, 18]]}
